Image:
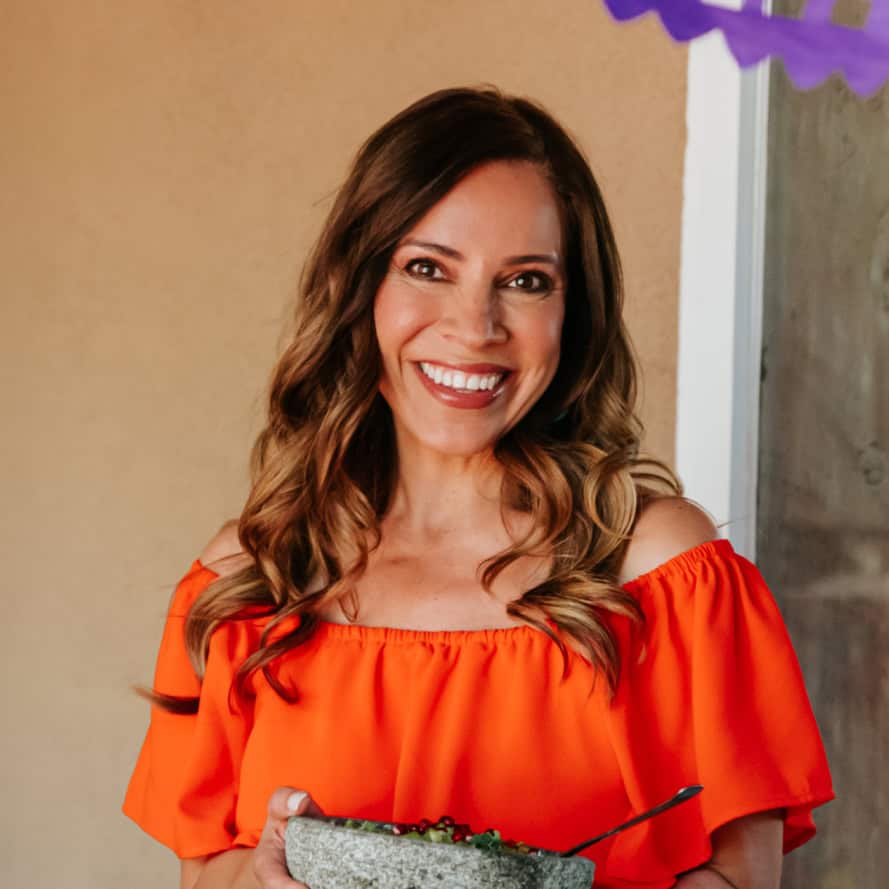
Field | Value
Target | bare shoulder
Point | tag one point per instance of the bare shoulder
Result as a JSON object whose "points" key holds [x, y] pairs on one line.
{"points": [[666, 527], [224, 553]]}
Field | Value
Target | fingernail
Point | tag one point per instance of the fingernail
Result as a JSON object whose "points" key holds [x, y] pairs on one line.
{"points": [[294, 800]]}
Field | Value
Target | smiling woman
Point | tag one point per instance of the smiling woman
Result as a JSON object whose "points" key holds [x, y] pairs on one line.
{"points": [[456, 585]]}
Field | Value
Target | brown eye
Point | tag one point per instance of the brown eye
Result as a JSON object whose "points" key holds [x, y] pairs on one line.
{"points": [[531, 282], [423, 268]]}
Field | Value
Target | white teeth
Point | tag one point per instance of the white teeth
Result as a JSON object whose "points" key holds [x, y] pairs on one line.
{"points": [[456, 379], [489, 382]]}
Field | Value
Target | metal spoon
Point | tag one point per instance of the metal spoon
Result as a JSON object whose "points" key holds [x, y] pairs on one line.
{"points": [[680, 797]]}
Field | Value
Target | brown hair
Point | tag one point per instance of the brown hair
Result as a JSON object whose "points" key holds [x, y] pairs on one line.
{"points": [[324, 466]]}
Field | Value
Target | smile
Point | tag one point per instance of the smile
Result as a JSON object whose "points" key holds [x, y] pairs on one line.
{"points": [[458, 380], [472, 387]]}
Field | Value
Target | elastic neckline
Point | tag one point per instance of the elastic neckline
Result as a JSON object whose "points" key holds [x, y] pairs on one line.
{"points": [[681, 563], [406, 635]]}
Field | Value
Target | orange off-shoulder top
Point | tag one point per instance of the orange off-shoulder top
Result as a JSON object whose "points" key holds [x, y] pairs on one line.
{"points": [[395, 724]]}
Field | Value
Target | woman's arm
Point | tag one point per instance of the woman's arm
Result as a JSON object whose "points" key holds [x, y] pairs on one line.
{"points": [[747, 854], [265, 866], [228, 870]]}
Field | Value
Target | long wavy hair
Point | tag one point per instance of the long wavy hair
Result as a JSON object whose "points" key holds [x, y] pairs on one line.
{"points": [[325, 465]]}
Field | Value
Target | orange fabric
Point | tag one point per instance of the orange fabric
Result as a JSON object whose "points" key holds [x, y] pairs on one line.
{"points": [[481, 725]]}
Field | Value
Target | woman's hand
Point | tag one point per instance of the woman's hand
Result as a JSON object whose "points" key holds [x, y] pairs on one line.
{"points": [[269, 862], [264, 867]]}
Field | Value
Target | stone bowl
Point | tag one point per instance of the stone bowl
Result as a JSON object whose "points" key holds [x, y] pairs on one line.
{"points": [[327, 856]]}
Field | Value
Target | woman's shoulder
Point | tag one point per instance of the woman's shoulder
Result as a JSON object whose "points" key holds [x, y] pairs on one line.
{"points": [[666, 527], [224, 554]]}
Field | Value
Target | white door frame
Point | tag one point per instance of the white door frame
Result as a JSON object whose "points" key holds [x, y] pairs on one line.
{"points": [[720, 300]]}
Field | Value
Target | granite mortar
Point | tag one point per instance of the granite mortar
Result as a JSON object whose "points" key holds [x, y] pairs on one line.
{"points": [[325, 856]]}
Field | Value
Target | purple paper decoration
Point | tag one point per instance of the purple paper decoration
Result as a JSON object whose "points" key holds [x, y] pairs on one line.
{"points": [[811, 47]]}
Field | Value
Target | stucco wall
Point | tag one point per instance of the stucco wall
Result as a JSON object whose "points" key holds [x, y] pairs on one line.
{"points": [[162, 170]]}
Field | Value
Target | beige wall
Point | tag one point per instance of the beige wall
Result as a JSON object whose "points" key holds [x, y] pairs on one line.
{"points": [[162, 169]]}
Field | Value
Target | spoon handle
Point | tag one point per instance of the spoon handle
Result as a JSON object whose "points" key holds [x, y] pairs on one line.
{"points": [[680, 797]]}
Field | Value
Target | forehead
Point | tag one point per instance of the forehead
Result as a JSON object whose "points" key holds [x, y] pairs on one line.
{"points": [[508, 205]]}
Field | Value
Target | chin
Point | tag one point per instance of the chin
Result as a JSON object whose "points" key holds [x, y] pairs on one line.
{"points": [[458, 443]]}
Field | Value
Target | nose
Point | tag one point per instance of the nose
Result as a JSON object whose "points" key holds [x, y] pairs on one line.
{"points": [[473, 316]]}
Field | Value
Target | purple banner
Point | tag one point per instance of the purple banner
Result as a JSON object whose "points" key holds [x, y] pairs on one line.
{"points": [[812, 47]]}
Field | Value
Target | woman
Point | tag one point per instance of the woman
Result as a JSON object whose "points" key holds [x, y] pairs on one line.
{"points": [[455, 586]]}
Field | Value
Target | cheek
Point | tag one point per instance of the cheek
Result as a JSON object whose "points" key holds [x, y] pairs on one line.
{"points": [[398, 317], [544, 336]]}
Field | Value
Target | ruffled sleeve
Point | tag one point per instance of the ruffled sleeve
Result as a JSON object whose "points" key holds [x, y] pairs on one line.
{"points": [[712, 694], [183, 791]]}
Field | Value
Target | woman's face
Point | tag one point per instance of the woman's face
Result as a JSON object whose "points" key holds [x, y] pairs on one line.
{"points": [[469, 315]]}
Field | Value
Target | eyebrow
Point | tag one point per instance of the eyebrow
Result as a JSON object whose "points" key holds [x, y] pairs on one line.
{"points": [[550, 258]]}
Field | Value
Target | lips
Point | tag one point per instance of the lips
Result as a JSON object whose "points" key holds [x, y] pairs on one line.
{"points": [[479, 384]]}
